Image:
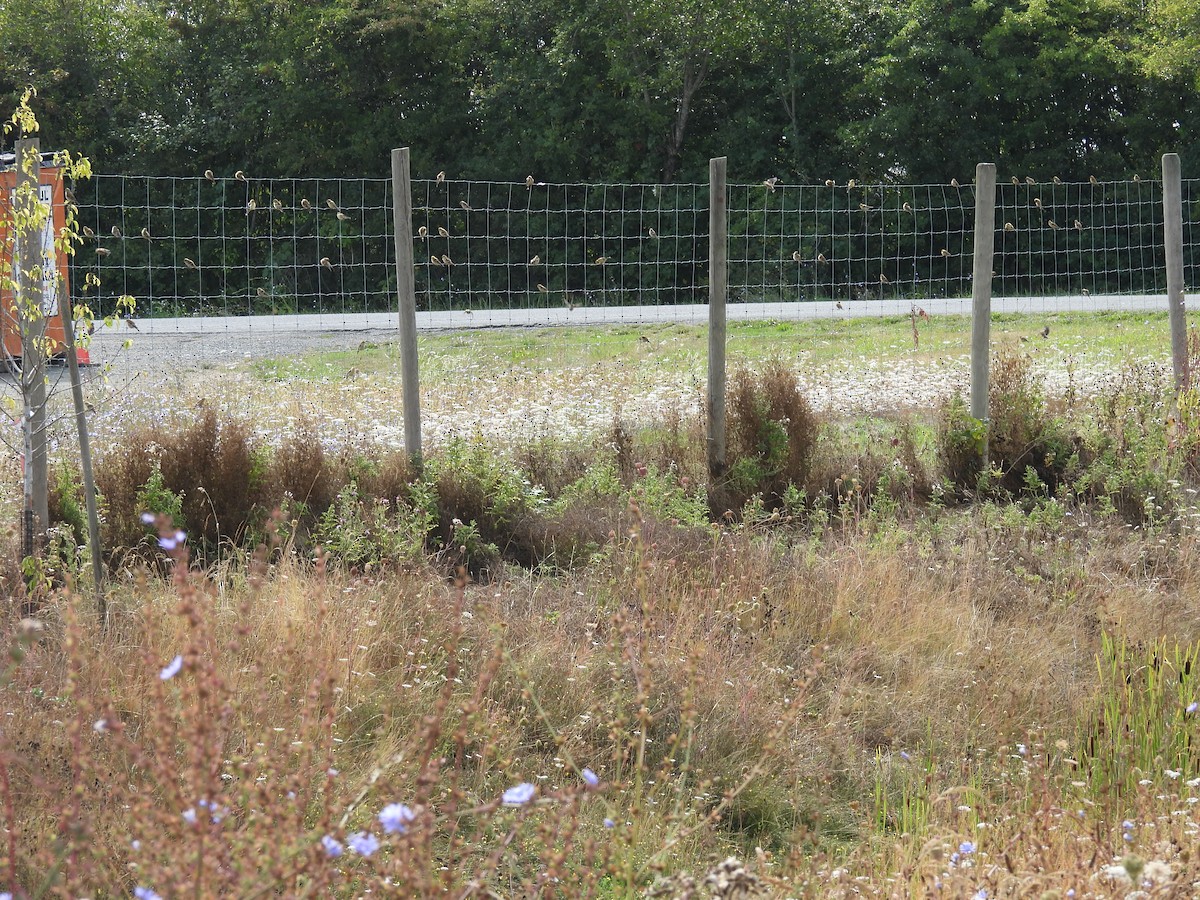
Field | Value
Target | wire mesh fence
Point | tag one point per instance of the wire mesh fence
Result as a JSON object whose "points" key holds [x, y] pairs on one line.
{"points": [[213, 248]]}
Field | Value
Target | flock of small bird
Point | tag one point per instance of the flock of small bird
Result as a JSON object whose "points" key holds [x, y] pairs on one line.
{"points": [[444, 260]]}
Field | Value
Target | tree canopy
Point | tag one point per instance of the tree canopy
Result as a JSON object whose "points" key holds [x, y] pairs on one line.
{"points": [[646, 90]]}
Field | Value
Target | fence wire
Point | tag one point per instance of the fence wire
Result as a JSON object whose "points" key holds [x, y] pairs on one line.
{"points": [[215, 248]]}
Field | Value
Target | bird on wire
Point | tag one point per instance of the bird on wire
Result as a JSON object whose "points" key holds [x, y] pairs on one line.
{"points": [[116, 232], [88, 233], [277, 204], [239, 175], [536, 259], [770, 183], [796, 256], [190, 263], [341, 216], [146, 234], [1029, 180], [304, 203], [954, 182], [422, 231], [325, 263], [529, 182], [208, 173], [102, 251], [331, 204], [441, 176], [442, 232], [653, 233], [466, 207]]}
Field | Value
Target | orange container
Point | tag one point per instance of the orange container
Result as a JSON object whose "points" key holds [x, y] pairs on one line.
{"points": [[55, 282]]}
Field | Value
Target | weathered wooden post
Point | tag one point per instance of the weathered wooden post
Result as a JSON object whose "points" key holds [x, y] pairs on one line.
{"points": [[29, 264], [406, 294], [981, 291], [718, 227], [1173, 244]]}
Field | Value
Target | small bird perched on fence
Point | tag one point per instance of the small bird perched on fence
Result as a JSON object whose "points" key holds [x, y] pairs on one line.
{"points": [[239, 175], [208, 173], [116, 232], [770, 183], [529, 182], [326, 263]]}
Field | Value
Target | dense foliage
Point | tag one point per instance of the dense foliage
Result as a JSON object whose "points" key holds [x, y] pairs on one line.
{"points": [[611, 90]]}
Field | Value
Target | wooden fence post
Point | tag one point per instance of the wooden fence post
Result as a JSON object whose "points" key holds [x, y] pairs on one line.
{"points": [[27, 259], [981, 291], [406, 295], [1173, 245], [718, 277]]}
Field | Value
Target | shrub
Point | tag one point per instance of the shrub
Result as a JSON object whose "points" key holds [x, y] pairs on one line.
{"points": [[770, 434], [960, 445], [1022, 435]]}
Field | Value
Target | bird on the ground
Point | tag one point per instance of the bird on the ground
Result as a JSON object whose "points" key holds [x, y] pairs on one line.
{"points": [[1046, 332], [129, 323]]}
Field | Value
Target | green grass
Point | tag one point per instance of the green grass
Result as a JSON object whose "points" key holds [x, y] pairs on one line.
{"points": [[1083, 338]]}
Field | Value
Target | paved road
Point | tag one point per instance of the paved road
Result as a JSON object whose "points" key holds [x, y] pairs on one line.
{"points": [[191, 342]]}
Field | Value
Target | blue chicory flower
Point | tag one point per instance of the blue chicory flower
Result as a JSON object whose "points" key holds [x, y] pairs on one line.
{"points": [[395, 818], [518, 795], [171, 669], [333, 847], [363, 843], [590, 777]]}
